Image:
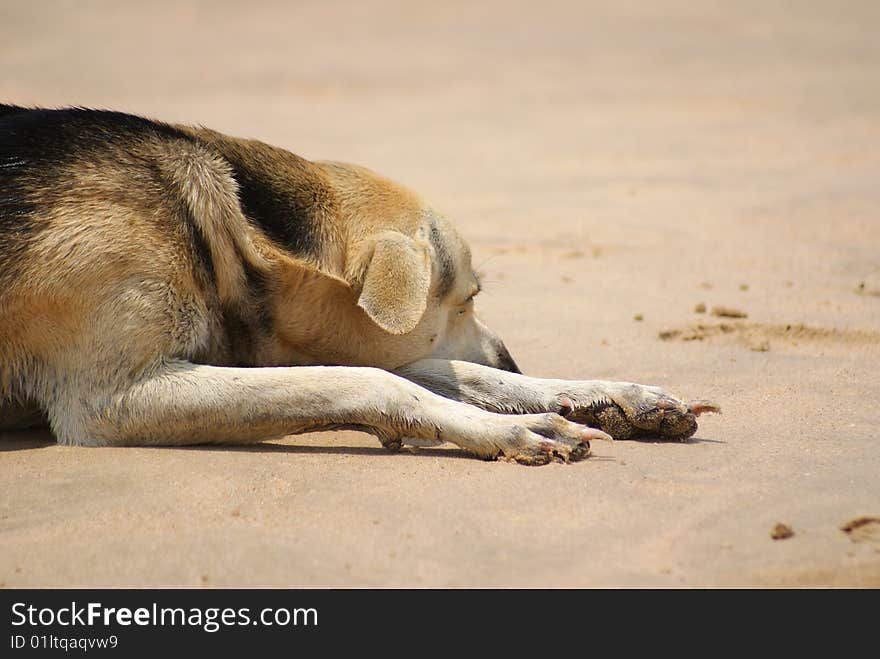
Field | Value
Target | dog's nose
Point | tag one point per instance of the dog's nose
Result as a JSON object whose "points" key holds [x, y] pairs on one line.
{"points": [[505, 361]]}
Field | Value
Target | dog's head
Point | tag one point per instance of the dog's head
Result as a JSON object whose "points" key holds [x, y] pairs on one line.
{"points": [[408, 286], [420, 290]]}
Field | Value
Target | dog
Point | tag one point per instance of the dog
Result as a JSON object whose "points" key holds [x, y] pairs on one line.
{"points": [[164, 284]]}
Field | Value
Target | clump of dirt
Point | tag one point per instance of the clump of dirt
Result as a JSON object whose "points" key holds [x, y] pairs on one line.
{"points": [[729, 312], [698, 407], [781, 532], [700, 308], [758, 336], [697, 332], [863, 529], [870, 285]]}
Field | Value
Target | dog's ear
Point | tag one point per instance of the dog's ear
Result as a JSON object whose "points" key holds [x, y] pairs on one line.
{"points": [[395, 275]]}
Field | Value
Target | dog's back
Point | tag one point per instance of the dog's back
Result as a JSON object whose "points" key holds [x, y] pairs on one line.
{"points": [[102, 228], [57, 165]]}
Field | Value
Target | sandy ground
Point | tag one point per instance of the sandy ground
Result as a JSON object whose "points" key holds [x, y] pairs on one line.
{"points": [[606, 162]]}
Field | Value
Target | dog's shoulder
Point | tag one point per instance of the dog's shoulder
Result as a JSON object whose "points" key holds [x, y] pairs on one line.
{"points": [[65, 163], [285, 196]]}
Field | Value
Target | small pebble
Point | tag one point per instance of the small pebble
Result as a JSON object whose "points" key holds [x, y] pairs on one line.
{"points": [[870, 286], [700, 308], [639, 317], [781, 532]]}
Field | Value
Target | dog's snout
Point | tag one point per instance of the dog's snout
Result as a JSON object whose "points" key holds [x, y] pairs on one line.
{"points": [[505, 361]]}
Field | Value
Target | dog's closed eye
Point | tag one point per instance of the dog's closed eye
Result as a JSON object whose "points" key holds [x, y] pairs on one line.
{"points": [[469, 301], [475, 290]]}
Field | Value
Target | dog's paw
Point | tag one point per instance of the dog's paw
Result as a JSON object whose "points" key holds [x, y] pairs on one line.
{"points": [[538, 439], [634, 411]]}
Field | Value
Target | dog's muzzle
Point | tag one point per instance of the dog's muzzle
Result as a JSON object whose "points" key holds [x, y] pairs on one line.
{"points": [[504, 361]]}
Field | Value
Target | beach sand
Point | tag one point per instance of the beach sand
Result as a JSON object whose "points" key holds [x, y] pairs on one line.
{"points": [[613, 168]]}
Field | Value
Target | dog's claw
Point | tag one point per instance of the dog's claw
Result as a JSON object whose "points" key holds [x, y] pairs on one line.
{"points": [[595, 433], [566, 406], [540, 439]]}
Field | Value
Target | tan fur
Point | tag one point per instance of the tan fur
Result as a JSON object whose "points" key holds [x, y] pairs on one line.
{"points": [[206, 185]]}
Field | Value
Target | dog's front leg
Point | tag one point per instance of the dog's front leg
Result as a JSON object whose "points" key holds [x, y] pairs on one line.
{"points": [[622, 409], [186, 403]]}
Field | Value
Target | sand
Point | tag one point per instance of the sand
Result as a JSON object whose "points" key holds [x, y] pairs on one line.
{"points": [[605, 162]]}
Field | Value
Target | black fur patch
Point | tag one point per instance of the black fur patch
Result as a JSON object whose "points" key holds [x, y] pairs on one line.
{"points": [[445, 262], [198, 244], [6, 110], [55, 135], [18, 225], [281, 208], [262, 317], [243, 326], [505, 361]]}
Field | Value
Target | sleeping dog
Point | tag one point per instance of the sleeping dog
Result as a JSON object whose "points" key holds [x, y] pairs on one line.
{"points": [[165, 284]]}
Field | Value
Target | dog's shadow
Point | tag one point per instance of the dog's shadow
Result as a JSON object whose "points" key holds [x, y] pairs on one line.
{"points": [[311, 449], [21, 440], [38, 438]]}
